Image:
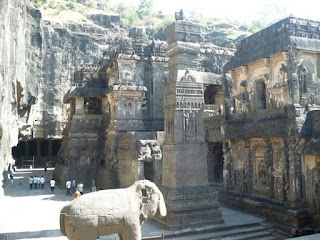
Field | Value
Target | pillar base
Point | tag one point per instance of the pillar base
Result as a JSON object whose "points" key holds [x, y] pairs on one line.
{"points": [[190, 207]]}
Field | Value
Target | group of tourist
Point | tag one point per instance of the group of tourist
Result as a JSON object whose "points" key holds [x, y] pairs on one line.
{"points": [[36, 182], [73, 188]]}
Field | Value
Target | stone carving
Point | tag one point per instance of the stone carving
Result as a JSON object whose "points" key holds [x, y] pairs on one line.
{"points": [[121, 211], [228, 164], [188, 77], [149, 149], [179, 15]]}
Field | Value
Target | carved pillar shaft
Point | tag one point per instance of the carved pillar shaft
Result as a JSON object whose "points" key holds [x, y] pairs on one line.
{"points": [[295, 180], [293, 77]]}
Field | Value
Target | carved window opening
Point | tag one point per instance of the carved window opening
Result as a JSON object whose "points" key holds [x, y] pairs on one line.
{"points": [[213, 98], [261, 98], [213, 94], [92, 105]]}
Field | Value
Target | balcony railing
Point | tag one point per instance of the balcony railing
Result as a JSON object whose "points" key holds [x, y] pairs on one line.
{"points": [[211, 110]]}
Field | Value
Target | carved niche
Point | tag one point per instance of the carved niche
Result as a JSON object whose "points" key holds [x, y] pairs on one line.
{"points": [[262, 166], [190, 124], [280, 172]]}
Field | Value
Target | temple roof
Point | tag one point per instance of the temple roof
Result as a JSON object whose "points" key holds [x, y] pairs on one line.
{"points": [[299, 33]]}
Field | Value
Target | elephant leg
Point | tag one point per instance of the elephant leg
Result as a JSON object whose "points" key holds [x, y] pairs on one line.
{"points": [[86, 234], [133, 232]]}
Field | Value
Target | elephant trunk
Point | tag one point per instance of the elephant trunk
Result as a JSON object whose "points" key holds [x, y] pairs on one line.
{"points": [[143, 184], [62, 223], [162, 205]]}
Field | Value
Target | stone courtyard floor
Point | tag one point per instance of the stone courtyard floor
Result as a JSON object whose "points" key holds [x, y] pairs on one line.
{"points": [[34, 214]]}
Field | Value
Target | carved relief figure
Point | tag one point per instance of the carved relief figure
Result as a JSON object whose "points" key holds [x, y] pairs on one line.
{"points": [[227, 166]]}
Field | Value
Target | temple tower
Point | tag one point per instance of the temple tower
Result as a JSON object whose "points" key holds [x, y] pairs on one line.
{"points": [[190, 200]]}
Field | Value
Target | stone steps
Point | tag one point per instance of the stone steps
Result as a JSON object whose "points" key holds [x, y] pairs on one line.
{"points": [[240, 232], [232, 234]]}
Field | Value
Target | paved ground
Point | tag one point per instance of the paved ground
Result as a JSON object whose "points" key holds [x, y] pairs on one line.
{"points": [[34, 214]]}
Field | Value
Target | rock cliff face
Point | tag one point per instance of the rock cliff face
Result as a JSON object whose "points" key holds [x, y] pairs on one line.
{"points": [[37, 60], [13, 21]]}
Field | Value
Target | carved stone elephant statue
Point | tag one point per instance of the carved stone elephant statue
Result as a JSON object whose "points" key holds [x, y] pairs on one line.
{"points": [[106, 212]]}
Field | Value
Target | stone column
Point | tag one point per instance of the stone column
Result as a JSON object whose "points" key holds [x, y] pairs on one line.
{"points": [[293, 79], [295, 178], [189, 199]]}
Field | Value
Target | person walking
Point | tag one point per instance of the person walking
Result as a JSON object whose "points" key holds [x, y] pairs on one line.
{"points": [[38, 182], [35, 182], [52, 184], [80, 188], [42, 181], [93, 186], [73, 185], [31, 182], [77, 193], [68, 186]]}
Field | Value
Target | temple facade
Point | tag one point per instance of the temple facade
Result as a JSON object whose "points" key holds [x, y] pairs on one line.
{"points": [[139, 114], [189, 115], [271, 126]]}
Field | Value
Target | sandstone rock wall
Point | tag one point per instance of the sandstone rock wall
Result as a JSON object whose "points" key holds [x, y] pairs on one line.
{"points": [[37, 61], [13, 21]]}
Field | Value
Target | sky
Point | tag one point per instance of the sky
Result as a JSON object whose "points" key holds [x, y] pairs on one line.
{"points": [[241, 10]]}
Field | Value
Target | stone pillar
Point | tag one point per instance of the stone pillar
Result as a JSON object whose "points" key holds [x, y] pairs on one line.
{"points": [[189, 199], [295, 178], [293, 80]]}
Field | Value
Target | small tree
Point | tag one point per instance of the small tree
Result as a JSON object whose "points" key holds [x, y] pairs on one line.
{"points": [[145, 8]]}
